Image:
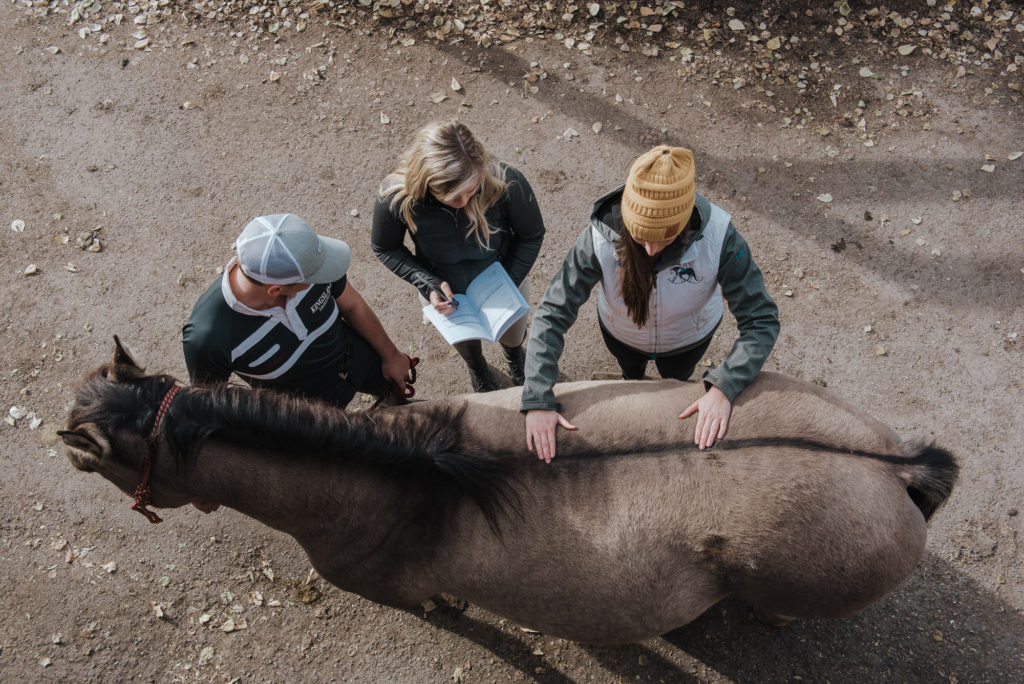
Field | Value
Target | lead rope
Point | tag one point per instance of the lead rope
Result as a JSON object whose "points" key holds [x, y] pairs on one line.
{"points": [[402, 392], [143, 491]]}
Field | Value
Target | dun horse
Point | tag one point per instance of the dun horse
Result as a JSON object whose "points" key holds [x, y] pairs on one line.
{"points": [[809, 508]]}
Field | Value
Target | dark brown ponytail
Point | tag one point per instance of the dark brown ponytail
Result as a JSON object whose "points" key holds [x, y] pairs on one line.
{"points": [[636, 277]]}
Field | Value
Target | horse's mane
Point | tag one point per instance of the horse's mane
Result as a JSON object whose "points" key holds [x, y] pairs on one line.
{"points": [[420, 449]]}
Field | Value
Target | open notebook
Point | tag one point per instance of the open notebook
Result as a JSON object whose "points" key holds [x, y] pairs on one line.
{"points": [[491, 305]]}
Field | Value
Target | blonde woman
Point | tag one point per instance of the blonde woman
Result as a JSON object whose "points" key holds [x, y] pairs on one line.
{"points": [[463, 211]]}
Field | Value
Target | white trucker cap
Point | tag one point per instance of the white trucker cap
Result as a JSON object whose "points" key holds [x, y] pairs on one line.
{"points": [[281, 249]]}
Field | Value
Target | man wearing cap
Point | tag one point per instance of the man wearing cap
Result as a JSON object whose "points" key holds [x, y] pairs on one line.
{"points": [[665, 258], [283, 315]]}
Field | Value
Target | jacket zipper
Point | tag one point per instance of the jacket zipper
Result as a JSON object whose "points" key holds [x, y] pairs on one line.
{"points": [[454, 213]]}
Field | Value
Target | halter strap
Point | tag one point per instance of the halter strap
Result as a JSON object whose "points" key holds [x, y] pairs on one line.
{"points": [[143, 491]]}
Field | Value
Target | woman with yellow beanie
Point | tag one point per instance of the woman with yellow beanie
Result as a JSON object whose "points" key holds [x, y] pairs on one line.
{"points": [[665, 258]]}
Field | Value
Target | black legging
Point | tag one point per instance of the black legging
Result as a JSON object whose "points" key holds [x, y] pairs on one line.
{"points": [[675, 365]]}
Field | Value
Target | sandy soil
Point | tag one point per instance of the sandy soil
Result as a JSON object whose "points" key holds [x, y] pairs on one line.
{"points": [[903, 294]]}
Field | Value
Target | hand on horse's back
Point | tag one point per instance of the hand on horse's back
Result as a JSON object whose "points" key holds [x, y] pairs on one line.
{"points": [[540, 432], [713, 411]]}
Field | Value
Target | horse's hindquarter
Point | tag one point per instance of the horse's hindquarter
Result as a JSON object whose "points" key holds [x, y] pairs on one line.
{"points": [[813, 534]]}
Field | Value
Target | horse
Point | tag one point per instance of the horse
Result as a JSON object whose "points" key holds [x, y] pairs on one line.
{"points": [[809, 508]]}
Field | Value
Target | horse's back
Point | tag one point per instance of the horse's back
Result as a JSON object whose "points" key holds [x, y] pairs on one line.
{"points": [[615, 416]]}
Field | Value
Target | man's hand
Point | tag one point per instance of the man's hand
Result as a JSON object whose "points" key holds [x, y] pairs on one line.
{"points": [[713, 421], [395, 369], [540, 432]]}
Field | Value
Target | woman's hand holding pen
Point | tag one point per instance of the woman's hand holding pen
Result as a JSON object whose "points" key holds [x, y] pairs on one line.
{"points": [[443, 300]]}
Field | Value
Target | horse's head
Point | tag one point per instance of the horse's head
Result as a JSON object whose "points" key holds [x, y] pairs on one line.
{"points": [[110, 422]]}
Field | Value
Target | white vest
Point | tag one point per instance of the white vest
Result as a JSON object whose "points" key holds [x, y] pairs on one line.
{"points": [[686, 302]]}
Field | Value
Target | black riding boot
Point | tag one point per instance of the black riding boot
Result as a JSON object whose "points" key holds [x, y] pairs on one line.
{"points": [[479, 372], [516, 363]]}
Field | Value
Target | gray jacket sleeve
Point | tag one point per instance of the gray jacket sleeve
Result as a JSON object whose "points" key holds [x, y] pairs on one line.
{"points": [[387, 239], [757, 317], [557, 311]]}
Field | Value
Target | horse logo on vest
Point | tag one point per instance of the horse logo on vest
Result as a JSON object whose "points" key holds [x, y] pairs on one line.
{"points": [[683, 274]]}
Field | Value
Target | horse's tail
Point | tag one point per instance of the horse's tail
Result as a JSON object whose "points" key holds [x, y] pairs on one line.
{"points": [[929, 475]]}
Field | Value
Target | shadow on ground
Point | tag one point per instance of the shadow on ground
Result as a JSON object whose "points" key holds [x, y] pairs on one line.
{"points": [[940, 626]]}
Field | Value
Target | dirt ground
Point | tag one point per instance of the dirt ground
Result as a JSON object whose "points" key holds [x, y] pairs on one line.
{"points": [[897, 266]]}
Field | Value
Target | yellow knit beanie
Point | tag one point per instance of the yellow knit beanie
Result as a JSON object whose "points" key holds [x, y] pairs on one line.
{"points": [[659, 194]]}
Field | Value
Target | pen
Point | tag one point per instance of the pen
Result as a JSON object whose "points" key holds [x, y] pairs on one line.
{"points": [[453, 302]]}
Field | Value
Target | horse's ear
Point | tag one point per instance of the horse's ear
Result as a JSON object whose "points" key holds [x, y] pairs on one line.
{"points": [[123, 357], [87, 446]]}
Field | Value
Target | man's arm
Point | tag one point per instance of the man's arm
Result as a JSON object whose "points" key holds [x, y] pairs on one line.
{"points": [[362, 319], [206, 364]]}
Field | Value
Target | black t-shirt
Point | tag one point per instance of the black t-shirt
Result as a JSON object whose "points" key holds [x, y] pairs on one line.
{"points": [[262, 350]]}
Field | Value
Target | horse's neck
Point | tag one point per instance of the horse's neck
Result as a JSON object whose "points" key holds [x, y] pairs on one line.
{"points": [[306, 498]]}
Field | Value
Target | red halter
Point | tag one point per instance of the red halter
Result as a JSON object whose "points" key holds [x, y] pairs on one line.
{"points": [[142, 492]]}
